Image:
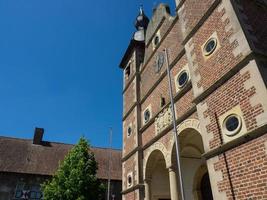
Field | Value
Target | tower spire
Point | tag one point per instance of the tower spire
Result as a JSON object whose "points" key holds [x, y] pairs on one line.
{"points": [[142, 20], [141, 23], [141, 9]]}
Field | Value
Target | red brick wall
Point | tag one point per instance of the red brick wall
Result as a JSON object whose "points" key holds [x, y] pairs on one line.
{"points": [[178, 66], [148, 134], [248, 170], [154, 98], [148, 75], [130, 167], [184, 104], [221, 61], [194, 10], [173, 40], [129, 97], [129, 143], [230, 94], [131, 196], [165, 140], [132, 65], [162, 90]]}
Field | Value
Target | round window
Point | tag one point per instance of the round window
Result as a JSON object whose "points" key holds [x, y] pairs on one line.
{"points": [[156, 40], [232, 124], [210, 46], [182, 79], [129, 131], [147, 115]]}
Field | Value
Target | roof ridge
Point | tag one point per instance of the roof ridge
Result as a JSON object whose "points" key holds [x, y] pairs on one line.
{"points": [[14, 138], [29, 140]]}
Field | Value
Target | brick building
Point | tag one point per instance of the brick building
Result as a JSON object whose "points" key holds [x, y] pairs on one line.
{"points": [[25, 164], [217, 52]]}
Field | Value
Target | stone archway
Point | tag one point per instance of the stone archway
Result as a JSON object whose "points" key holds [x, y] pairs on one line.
{"points": [[191, 150], [156, 177], [200, 175], [156, 146]]}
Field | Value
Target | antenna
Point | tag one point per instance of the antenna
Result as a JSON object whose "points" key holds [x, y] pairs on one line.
{"points": [[109, 158]]}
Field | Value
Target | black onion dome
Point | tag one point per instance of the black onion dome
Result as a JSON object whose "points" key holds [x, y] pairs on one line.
{"points": [[142, 20]]}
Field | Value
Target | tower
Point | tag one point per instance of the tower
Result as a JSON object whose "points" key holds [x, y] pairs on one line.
{"points": [[131, 64], [218, 60]]}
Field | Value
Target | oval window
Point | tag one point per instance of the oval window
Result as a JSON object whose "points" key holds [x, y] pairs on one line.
{"points": [[210, 46], [232, 124], [129, 180], [147, 115], [129, 131], [156, 40], [182, 79]]}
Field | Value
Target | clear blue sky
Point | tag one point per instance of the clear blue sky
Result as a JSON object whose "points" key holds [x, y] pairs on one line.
{"points": [[59, 67]]}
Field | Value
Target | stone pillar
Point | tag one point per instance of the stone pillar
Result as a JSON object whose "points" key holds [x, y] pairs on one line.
{"points": [[173, 184], [147, 189]]}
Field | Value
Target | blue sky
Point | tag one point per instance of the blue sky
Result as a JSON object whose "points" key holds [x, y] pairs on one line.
{"points": [[59, 67]]}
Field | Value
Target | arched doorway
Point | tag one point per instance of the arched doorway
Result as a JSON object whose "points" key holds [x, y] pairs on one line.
{"points": [[157, 177], [193, 166], [205, 187]]}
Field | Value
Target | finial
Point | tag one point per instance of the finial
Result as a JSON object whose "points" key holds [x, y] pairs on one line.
{"points": [[141, 9], [141, 20]]}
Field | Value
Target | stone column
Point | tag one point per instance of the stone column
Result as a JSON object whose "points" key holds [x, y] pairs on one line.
{"points": [[173, 184], [147, 189]]}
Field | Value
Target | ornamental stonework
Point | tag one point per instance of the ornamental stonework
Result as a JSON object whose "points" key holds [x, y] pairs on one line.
{"points": [[163, 120]]}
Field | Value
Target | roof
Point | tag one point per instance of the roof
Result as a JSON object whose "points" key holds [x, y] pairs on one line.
{"points": [[22, 156], [131, 46]]}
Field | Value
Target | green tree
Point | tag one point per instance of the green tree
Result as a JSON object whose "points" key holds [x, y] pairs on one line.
{"points": [[76, 177]]}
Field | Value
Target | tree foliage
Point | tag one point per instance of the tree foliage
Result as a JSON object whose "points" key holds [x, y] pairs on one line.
{"points": [[76, 177]]}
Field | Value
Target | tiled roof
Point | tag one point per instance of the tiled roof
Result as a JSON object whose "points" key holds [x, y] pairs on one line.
{"points": [[22, 156]]}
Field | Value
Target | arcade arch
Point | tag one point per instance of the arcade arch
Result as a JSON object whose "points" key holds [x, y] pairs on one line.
{"points": [[193, 166], [156, 177], [160, 167]]}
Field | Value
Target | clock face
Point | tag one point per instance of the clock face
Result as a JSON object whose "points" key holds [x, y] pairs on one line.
{"points": [[159, 62]]}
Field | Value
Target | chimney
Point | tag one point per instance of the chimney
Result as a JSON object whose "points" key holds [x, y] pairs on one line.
{"points": [[38, 136]]}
